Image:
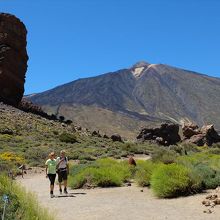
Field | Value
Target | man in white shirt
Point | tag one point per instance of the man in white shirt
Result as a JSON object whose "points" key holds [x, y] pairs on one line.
{"points": [[63, 171]]}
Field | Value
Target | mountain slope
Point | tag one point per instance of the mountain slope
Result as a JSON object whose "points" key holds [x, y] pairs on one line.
{"points": [[145, 94]]}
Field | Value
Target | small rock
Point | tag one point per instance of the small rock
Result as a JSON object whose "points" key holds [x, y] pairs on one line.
{"points": [[207, 203], [216, 201]]}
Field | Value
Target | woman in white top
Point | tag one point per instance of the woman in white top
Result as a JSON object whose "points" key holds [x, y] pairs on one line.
{"points": [[63, 171]]}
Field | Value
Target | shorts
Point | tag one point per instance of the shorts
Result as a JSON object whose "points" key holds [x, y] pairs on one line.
{"points": [[52, 178], [62, 175]]}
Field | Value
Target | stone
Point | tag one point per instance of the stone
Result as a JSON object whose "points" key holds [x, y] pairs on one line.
{"points": [[13, 59], [131, 161], [166, 134], [96, 133], [106, 136], [116, 137], [216, 201], [189, 130], [207, 135]]}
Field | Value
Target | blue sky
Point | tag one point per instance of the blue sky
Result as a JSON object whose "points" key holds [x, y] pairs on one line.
{"points": [[71, 39]]}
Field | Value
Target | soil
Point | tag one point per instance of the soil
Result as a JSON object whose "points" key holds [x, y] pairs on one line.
{"points": [[121, 203]]}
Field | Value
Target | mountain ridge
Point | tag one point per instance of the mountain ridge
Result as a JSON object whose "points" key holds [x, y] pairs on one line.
{"points": [[147, 92]]}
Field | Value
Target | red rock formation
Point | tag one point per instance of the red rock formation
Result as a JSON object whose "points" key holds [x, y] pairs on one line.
{"points": [[13, 59], [207, 135], [131, 161]]}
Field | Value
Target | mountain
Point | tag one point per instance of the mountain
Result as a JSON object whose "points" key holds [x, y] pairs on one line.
{"points": [[143, 95]]}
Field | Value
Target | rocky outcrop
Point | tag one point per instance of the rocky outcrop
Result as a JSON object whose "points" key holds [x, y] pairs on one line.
{"points": [[166, 134], [13, 59], [207, 135], [116, 137]]}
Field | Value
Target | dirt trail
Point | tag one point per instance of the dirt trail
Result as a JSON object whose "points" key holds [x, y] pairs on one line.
{"points": [[122, 203]]}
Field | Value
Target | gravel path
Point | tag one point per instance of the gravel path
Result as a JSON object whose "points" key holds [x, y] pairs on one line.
{"points": [[122, 203]]}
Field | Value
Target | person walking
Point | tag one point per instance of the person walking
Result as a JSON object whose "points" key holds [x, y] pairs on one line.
{"points": [[51, 171], [63, 171]]}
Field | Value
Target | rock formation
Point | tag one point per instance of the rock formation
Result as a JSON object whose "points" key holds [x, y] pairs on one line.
{"points": [[116, 137], [166, 134], [131, 161], [207, 135], [13, 59]]}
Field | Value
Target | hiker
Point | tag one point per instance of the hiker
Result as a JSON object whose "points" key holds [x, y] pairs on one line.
{"points": [[22, 168], [62, 170], [51, 171]]}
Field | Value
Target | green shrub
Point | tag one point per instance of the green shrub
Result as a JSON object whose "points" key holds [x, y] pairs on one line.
{"points": [[196, 182], [144, 170], [68, 138], [164, 155], [210, 177], [170, 180], [103, 173], [22, 205], [91, 176]]}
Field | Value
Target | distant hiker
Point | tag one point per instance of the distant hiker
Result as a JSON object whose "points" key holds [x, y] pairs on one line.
{"points": [[62, 170], [131, 161], [51, 171], [22, 168]]}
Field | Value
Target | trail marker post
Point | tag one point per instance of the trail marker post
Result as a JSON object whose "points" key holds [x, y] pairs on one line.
{"points": [[5, 199]]}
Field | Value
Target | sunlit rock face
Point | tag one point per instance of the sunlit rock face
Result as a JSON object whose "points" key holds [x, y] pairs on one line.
{"points": [[13, 59]]}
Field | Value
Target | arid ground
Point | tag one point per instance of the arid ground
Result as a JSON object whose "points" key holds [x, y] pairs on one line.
{"points": [[121, 203]]}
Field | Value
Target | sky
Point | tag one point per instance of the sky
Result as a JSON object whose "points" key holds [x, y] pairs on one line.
{"points": [[71, 39]]}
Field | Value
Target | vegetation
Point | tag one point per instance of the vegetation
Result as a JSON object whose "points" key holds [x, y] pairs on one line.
{"points": [[21, 205], [144, 172], [103, 173], [32, 138], [172, 171], [170, 180]]}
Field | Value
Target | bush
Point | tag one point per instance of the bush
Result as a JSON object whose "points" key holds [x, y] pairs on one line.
{"points": [[210, 177], [12, 157], [68, 138], [102, 177], [170, 180], [102, 173], [22, 205], [165, 156], [144, 170]]}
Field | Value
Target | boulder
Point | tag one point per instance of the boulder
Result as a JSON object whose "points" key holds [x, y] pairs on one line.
{"points": [[131, 161], [189, 130], [13, 59], [207, 135], [116, 137], [166, 134], [96, 133], [198, 139]]}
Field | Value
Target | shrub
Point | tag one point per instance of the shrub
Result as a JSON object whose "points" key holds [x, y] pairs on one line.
{"points": [[68, 138], [144, 171], [165, 156], [91, 176], [170, 180], [6, 166], [12, 157], [103, 173], [210, 177], [22, 205]]}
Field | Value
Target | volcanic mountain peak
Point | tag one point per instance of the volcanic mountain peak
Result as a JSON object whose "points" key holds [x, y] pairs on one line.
{"points": [[139, 68], [145, 94], [140, 64], [142, 67]]}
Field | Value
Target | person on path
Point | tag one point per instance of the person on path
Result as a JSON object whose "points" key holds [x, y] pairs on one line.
{"points": [[51, 171], [63, 171]]}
